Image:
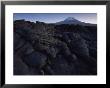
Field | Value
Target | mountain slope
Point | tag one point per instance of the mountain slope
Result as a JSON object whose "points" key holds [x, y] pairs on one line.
{"points": [[71, 20]]}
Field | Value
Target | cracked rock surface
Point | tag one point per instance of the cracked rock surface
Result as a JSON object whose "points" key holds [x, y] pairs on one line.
{"points": [[48, 49]]}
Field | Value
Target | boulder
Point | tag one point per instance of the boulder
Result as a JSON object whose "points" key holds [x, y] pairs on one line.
{"points": [[35, 59]]}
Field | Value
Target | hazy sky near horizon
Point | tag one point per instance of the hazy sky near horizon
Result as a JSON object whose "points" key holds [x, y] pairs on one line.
{"points": [[56, 17]]}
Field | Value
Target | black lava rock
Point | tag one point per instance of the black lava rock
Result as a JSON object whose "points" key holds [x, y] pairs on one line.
{"points": [[49, 49]]}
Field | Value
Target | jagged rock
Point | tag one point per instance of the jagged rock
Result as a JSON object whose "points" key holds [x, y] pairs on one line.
{"points": [[48, 49], [60, 66], [66, 38], [20, 68], [71, 58], [22, 24], [78, 45], [18, 42], [52, 51], [93, 52], [48, 70], [63, 48], [34, 71]]}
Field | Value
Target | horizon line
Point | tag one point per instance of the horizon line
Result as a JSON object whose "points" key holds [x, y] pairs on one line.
{"points": [[47, 22]]}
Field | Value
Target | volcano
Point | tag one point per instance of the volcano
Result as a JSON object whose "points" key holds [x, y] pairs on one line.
{"points": [[72, 20]]}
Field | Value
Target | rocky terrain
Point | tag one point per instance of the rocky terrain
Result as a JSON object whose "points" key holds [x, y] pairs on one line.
{"points": [[50, 49]]}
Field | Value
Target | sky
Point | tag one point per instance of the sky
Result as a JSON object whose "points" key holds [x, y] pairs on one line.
{"points": [[56, 17]]}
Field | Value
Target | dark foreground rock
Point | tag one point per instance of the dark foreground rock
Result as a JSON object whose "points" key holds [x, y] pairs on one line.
{"points": [[48, 49]]}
